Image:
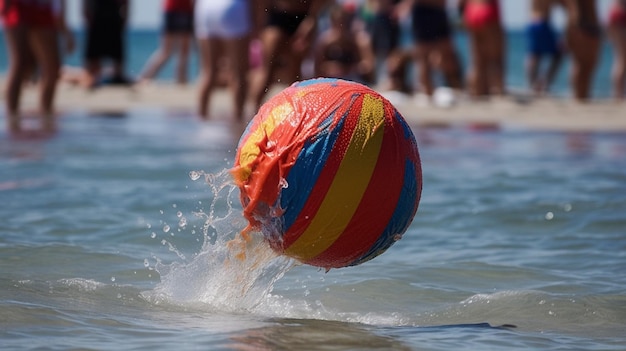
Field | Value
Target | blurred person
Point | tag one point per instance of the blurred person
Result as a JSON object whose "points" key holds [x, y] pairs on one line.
{"points": [[223, 29], [105, 22], [290, 31], [434, 48], [617, 35], [344, 51], [385, 27], [32, 30], [487, 46], [583, 39], [542, 42], [176, 36], [385, 32]]}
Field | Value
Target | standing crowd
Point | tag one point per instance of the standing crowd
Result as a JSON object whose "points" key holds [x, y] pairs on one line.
{"points": [[250, 45]]}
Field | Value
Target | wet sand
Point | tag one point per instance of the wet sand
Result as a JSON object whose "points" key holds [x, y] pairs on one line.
{"points": [[514, 111]]}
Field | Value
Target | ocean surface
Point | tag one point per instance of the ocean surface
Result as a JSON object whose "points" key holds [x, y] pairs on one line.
{"points": [[114, 232], [140, 44]]}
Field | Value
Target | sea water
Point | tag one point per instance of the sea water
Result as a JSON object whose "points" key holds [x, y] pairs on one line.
{"points": [[121, 232]]}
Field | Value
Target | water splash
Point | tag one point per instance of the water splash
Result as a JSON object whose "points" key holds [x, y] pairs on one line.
{"points": [[229, 273]]}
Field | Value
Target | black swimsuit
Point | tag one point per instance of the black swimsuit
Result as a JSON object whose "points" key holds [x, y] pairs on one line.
{"points": [[430, 23], [287, 22], [105, 34]]}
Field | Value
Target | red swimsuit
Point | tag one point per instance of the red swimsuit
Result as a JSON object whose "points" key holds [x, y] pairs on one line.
{"points": [[178, 6], [478, 15], [617, 16], [33, 13]]}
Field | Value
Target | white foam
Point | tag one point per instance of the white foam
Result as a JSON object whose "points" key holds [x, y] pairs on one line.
{"points": [[231, 272]]}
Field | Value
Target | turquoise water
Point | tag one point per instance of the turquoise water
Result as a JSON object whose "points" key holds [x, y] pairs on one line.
{"points": [[141, 44], [113, 236]]}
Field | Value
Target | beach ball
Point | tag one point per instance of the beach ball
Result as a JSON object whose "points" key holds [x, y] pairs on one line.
{"points": [[329, 171]]}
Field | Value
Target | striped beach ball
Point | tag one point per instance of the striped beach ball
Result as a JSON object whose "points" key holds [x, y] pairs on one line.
{"points": [[329, 172]]}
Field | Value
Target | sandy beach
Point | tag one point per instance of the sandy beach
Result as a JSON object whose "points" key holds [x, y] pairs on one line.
{"points": [[514, 111]]}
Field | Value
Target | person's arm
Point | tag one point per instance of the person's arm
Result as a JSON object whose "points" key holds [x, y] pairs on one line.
{"points": [[307, 29], [319, 56], [366, 66], [403, 9]]}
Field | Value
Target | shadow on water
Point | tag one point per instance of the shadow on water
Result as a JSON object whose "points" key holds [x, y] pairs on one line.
{"points": [[311, 334], [112, 114]]}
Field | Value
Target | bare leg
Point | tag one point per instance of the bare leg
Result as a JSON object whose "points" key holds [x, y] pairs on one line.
{"points": [[272, 39], [396, 65], [44, 43], [584, 49], [450, 64], [532, 71], [209, 51], [618, 71], [618, 76], [494, 42], [238, 51], [184, 46], [477, 77], [555, 64], [422, 54], [17, 44], [159, 57]]}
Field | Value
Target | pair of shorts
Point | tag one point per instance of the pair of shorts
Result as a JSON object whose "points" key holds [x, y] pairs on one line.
{"points": [[105, 41], [225, 19], [29, 13], [178, 6], [430, 23], [288, 23], [178, 22], [542, 39]]}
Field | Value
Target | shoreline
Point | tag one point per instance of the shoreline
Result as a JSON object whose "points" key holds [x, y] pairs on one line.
{"points": [[512, 111]]}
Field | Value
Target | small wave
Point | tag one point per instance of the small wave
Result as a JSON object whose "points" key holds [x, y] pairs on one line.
{"points": [[83, 285], [539, 311], [231, 275], [219, 278]]}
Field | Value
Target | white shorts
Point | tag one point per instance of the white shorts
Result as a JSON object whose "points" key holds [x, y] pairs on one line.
{"points": [[225, 19]]}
